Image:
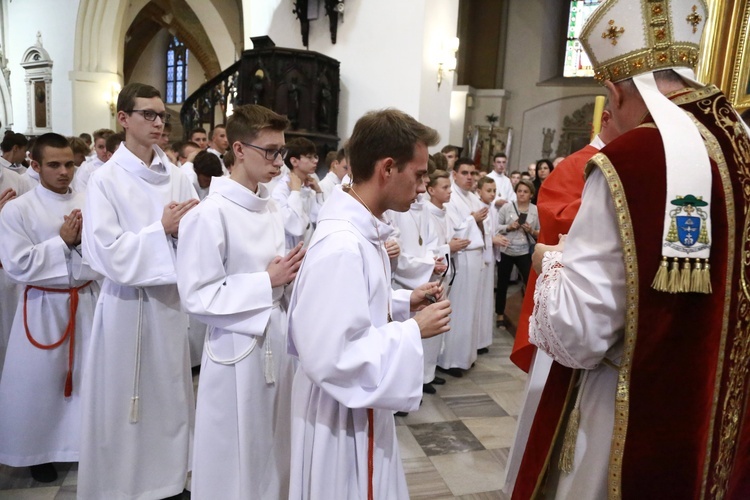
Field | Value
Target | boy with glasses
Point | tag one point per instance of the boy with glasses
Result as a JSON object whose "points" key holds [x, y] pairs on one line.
{"points": [[242, 447], [138, 402], [298, 194]]}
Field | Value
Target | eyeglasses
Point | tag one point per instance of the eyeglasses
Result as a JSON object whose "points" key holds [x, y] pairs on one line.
{"points": [[150, 115], [449, 265], [274, 153]]}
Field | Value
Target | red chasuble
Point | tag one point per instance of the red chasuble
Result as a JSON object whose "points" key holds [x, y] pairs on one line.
{"points": [[682, 427], [558, 203]]}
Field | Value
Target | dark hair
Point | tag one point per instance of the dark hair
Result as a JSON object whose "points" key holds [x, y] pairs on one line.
{"points": [[463, 161], [77, 145], [229, 158], [113, 142], [441, 162], [516, 172], [449, 148], [436, 175], [13, 139], [184, 146], [197, 130], [387, 133], [499, 155], [86, 137], [545, 161], [167, 128], [102, 133], [207, 163], [213, 130], [330, 158], [50, 139], [299, 147], [132, 91], [431, 167], [249, 119], [341, 155], [484, 180], [528, 184]]}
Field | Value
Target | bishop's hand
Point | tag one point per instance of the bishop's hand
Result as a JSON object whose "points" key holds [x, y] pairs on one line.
{"points": [[541, 248]]}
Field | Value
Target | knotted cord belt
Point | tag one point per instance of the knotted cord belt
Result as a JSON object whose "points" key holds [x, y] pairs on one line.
{"points": [[70, 330]]}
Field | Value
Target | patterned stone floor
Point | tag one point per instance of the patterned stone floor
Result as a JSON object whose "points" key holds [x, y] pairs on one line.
{"points": [[455, 447]]}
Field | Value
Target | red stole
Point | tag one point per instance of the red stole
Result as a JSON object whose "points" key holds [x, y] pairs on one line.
{"points": [[558, 203]]}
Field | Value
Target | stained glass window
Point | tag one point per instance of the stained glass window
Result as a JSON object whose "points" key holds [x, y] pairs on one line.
{"points": [[577, 62], [177, 56]]}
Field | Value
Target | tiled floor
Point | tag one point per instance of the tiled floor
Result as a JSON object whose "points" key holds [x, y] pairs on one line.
{"points": [[455, 446]]}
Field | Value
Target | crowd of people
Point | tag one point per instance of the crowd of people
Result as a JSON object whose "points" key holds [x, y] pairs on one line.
{"points": [[318, 309], [110, 239]]}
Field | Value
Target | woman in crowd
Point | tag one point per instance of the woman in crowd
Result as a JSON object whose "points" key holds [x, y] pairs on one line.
{"points": [[519, 222], [544, 167]]}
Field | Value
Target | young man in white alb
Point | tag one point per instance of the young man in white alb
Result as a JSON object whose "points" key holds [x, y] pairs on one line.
{"points": [[138, 403], [466, 216], [298, 194], [40, 388], [360, 356], [338, 169], [242, 446]]}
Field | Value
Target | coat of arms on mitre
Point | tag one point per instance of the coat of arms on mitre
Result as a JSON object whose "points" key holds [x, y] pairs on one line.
{"points": [[688, 231]]}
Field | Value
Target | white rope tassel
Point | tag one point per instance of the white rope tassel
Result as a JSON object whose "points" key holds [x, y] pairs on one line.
{"points": [[268, 360], [134, 400]]}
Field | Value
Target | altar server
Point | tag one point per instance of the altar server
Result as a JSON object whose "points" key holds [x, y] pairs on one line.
{"points": [[357, 365], [40, 419], [242, 423], [138, 403]]}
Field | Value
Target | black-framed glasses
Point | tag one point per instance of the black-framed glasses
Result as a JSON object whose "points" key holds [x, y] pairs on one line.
{"points": [[269, 154], [150, 115], [448, 265]]}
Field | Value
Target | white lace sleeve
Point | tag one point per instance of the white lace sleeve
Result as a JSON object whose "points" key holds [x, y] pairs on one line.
{"points": [[541, 332]]}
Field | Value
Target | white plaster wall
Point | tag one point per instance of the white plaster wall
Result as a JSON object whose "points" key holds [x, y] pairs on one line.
{"points": [[381, 47], [435, 104], [57, 26], [217, 31], [526, 23]]}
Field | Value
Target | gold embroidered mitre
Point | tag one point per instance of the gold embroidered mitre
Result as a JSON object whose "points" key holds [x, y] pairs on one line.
{"points": [[625, 38]]}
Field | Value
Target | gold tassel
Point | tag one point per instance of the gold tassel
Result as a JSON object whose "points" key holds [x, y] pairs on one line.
{"points": [[672, 236], [567, 454], [696, 280], [673, 285], [568, 451], [703, 235], [706, 285], [660, 280], [685, 277]]}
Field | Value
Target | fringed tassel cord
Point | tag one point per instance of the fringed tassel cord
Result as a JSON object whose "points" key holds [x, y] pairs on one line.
{"points": [[661, 278], [567, 454], [135, 410]]}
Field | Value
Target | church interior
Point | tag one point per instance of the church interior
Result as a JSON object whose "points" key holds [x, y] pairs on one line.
{"points": [[490, 76]]}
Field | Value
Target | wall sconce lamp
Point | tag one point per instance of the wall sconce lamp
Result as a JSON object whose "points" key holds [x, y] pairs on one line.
{"points": [[111, 97], [447, 61]]}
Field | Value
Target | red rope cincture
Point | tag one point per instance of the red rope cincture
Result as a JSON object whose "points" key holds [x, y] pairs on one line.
{"points": [[69, 330]]}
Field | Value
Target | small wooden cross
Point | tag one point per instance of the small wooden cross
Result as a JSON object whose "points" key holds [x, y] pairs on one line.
{"points": [[613, 32], [694, 18]]}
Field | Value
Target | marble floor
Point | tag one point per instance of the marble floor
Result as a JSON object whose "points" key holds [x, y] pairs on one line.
{"points": [[454, 447]]}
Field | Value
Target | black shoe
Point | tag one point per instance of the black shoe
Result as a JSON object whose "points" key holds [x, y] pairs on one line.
{"points": [[453, 372], [44, 473], [438, 381], [185, 495], [401, 414], [428, 389], [483, 350]]}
